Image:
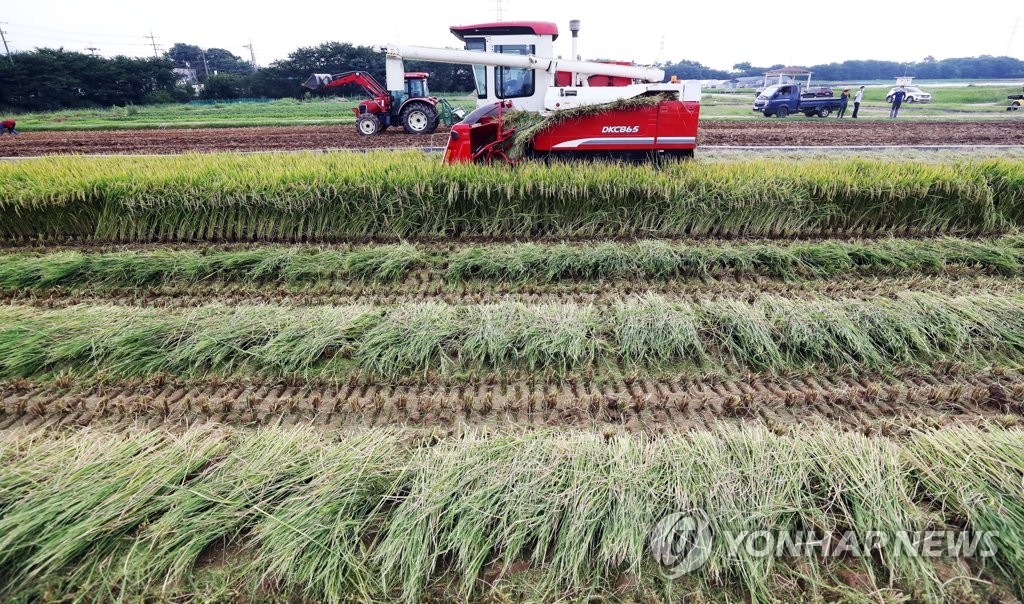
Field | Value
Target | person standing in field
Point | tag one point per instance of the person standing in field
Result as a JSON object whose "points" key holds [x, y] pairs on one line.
{"points": [[856, 102], [7, 126], [844, 100], [897, 100]]}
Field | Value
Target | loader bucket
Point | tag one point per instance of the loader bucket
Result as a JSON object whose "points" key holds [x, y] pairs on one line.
{"points": [[317, 80]]}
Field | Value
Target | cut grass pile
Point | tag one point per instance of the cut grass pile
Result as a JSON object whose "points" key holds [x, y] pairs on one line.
{"points": [[292, 513], [330, 343], [515, 263], [396, 195]]}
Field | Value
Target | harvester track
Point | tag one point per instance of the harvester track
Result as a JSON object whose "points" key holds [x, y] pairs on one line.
{"points": [[762, 133], [432, 287], [877, 406]]}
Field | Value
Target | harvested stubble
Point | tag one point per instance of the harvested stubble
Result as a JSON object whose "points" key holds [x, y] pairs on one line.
{"points": [[395, 196], [100, 516], [331, 343], [515, 263]]}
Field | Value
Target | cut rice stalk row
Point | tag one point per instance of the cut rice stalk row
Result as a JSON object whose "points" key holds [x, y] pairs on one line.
{"points": [[294, 514], [331, 343]]}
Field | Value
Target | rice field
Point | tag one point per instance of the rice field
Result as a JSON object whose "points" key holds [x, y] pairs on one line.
{"points": [[368, 377]]}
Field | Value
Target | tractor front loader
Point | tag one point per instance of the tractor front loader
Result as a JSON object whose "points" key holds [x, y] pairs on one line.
{"points": [[411, 108]]}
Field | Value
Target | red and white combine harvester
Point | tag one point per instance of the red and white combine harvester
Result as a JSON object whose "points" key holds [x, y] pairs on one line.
{"points": [[612, 110]]}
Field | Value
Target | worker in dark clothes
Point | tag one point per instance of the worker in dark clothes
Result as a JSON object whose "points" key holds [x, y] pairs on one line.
{"points": [[7, 126], [856, 102], [897, 100], [844, 100]]}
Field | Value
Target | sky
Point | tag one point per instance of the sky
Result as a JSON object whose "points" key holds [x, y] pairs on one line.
{"points": [[716, 33]]}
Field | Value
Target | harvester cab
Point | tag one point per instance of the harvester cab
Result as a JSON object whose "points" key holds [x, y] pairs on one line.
{"points": [[408, 105], [569, 108]]}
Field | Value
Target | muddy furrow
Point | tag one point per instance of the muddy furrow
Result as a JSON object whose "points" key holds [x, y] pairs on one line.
{"points": [[640, 405], [712, 132], [428, 288], [439, 245]]}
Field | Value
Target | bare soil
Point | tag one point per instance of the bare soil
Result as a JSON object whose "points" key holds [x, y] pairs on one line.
{"points": [[766, 132], [886, 406]]}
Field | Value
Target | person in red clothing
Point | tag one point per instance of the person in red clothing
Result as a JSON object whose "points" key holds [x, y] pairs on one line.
{"points": [[7, 126]]}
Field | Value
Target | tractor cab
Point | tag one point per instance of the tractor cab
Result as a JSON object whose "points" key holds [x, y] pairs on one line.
{"points": [[416, 85], [415, 88]]}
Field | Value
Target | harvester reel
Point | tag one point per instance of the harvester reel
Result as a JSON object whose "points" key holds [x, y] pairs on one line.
{"points": [[419, 118], [368, 124]]}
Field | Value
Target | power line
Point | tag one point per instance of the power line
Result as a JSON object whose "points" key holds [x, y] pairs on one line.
{"points": [[76, 33], [77, 40]]}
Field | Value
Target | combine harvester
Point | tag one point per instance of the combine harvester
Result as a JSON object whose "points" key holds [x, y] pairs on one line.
{"points": [[532, 105]]}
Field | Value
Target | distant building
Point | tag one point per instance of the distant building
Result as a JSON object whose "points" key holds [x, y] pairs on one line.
{"points": [[785, 75], [186, 76]]}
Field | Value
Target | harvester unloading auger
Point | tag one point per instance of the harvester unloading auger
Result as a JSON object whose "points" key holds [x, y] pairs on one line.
{"points": [[581, 109]]}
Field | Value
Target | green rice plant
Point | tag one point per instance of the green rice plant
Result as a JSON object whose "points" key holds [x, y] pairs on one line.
{"points": [[977, 477], [331, 343], [819, 332], [867, 486], [81, 512], [741, 333], [315, 542], [651, 331], [398, 196], [290, 513], [219, 505]]}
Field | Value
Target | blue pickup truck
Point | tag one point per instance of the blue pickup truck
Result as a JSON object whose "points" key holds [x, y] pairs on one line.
{"points": [[782, 100]]}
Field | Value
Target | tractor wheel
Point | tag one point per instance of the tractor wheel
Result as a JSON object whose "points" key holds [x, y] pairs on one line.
{"points": [[782, 111], [824, 112], [368, 124], [419, 118]]}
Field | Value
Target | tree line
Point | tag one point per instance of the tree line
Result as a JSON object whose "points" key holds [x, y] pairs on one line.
{"points": [[49, 79]]}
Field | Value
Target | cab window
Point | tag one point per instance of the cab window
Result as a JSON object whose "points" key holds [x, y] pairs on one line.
{"points": [[479, 71], [514, 82], [415, 89]]}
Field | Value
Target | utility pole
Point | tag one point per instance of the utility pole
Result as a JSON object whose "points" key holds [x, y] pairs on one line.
{"points": [[206, 66], [1013, 34], [501, 16], [152, 40], [92, 50], [252, 53], [3, 37]]}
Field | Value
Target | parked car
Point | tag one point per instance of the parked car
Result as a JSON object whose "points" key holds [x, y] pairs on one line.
{"points": [[914, 95], [816, 91]]}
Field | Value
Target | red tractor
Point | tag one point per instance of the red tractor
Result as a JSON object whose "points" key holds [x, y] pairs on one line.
{"points": [[413, 108]]}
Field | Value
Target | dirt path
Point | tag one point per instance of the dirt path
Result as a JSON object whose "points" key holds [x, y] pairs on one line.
{"points": [[795, 131]]}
